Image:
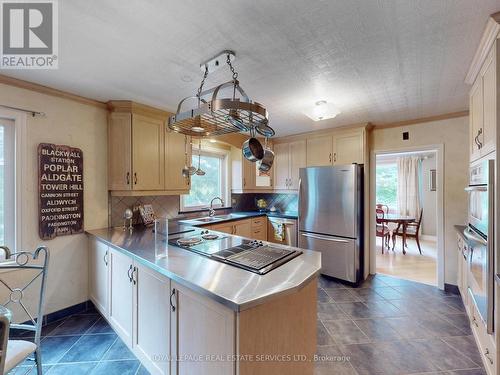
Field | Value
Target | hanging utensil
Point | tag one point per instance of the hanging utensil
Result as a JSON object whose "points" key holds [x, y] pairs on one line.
{"points": [[266, 163], [264, 129], [185, 170], [199, 172], [192, 169], [252, 149]]}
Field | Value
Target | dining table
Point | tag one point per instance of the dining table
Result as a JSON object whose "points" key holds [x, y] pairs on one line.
{"points": [[401, 221]]}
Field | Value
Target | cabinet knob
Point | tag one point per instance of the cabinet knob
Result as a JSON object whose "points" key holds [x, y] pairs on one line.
{"points": [[105, 258], [134, 276], [334, 156], [330, 157], [135, 178], [128, 178]]}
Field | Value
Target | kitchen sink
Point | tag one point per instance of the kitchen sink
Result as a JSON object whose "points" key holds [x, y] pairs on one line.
{"points": [[210, 219], [205, 219]]}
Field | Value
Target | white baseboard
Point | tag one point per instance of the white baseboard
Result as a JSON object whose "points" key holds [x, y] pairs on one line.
{"points": [[427, 237]]}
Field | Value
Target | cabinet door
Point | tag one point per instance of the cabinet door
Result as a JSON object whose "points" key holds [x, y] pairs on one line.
{"points": [[120, 151], [488, 137], [147, 153], [225, 228], [121, 295], [348, 149], [152, 320], [319, 151], [243, 228], [298, 159], [98, 275], [175, 160], [476, 119], [201, 328], [281, 166]]}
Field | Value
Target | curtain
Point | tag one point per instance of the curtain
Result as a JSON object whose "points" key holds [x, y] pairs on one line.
{"points": [[408, 186]]}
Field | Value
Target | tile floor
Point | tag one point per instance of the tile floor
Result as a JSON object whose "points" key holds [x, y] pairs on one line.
{"points": [[393, 326], [82, 344], [386, 326]]}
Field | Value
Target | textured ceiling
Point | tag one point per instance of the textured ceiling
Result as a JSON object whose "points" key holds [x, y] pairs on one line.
{"points": [[376, 60]]}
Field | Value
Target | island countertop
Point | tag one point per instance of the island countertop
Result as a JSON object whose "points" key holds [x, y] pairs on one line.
{"points": [[236, 288]]}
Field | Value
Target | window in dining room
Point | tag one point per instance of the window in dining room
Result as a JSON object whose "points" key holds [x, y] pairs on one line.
{"points": [[387, 185]]}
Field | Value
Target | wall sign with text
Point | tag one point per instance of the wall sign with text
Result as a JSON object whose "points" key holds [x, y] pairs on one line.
{"points": [[60, 173]]}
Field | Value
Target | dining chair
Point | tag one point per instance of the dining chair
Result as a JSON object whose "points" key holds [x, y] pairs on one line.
{"points": [[383, 207], [36, 265], [412, 231], [382, 230]]}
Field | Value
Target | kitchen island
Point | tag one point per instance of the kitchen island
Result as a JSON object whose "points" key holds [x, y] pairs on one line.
{"points": [[183, 313]]}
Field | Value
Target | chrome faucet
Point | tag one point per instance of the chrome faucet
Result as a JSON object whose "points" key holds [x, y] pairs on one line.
{"points": [[211, 212]]}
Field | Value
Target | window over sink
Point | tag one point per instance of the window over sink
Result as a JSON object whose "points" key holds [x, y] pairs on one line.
{"points": [[212, 184]]}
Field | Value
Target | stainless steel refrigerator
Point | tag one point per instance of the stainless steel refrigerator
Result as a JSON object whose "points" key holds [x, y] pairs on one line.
{"points": [[331, 218]]}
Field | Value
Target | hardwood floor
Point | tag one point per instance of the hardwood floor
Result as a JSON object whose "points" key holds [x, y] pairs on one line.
{"points": [[412, 266]]}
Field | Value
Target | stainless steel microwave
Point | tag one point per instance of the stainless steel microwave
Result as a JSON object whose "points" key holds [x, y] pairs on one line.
{"points": [[479, 234]]}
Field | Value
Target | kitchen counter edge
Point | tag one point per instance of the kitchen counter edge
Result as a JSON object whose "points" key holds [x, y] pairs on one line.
{"points": [[191, 284]]}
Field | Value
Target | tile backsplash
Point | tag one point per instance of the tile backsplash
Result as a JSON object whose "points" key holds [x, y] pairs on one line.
{"points": [[282, 202], [168, 205], [163, 205]]}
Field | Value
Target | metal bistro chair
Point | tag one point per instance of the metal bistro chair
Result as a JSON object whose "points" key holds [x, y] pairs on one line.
{"points": [[5, 318], [18, 350]]}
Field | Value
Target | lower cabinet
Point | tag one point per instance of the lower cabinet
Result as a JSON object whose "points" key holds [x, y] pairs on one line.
{"points": [[203, 334], [99, 275], [121, 295], [151, 335]]}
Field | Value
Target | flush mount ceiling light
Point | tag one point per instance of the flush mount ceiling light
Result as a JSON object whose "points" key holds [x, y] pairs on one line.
{"points": [[213, 114], [322, 110]]}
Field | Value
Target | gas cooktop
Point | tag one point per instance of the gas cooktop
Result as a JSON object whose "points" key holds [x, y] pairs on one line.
{"points": [[252, 255]]}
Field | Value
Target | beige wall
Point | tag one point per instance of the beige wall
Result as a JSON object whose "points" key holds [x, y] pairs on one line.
{"points": [[453, 134], [78, 125]]}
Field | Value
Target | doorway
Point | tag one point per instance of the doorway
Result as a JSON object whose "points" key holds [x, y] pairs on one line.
{"points": [[407, 235]]}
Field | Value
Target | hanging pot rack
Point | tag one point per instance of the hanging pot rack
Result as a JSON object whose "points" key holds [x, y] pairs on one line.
{"points": [[213, 115]]}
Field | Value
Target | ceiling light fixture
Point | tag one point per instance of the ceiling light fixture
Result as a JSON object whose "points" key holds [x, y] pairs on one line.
{"points": [[322, 110], [215, 115]]}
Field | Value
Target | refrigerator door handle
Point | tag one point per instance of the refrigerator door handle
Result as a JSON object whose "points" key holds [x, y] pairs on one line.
{"points": [[318, 237]]}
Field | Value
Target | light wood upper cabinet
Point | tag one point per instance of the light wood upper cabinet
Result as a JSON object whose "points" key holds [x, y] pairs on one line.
{"points": [[281, 165], [298, 159], [319, 151], [348, 149], [483, 109], [242, 171], [144, 157], [120, 151], [289, 158], [476, 119], [148, 156], [174, 162], [489, 78]]}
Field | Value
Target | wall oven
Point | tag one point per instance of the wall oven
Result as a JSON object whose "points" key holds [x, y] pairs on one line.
{"points": [[479, 235]]}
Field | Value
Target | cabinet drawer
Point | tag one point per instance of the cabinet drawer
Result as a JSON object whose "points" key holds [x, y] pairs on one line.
{"points": [[258, 222], [485, 342], [260, 234]]}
